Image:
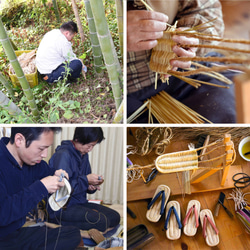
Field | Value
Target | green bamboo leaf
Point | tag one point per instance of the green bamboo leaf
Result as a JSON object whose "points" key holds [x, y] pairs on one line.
{"points": [[68, 114]]}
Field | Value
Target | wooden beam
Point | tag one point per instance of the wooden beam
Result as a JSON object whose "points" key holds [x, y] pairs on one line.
{"points": [[242, 90]]}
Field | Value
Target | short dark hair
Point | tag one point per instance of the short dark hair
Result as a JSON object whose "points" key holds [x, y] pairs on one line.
{"points": [[31, 133], [70, 26], [85, 135]]}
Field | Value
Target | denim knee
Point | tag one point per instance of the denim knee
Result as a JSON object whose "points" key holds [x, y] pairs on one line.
{"points": [[76, 68]]}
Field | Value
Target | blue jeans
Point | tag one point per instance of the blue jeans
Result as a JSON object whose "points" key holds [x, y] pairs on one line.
{"points": [[34, 238], [87, 216], [75, 69], [216, 104]]}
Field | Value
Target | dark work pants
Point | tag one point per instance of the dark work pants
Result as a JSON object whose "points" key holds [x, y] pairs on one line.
{"points": [[33, 238], [88, 216], [75, 69], [215, 104]]}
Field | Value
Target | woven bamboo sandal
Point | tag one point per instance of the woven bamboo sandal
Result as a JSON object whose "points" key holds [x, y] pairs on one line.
{"points": [[173, 220], [209, 230], [191, 221], [157, 205]]}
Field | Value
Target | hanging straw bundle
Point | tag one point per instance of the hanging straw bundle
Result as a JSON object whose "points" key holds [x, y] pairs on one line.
{"points": [[148, 139]]}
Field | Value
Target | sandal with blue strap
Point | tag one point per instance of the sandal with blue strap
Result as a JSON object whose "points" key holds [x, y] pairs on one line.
{"points": [[157, 205], [173, 220]]}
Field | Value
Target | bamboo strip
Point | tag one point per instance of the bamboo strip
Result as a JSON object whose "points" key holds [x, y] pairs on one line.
{"points": [[209, 38], [185, 46], [215, 59], [213, 159], [172, 111], [214, 73], [194, 82]]}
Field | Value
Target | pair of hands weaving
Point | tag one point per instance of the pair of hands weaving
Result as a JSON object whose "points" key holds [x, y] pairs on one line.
{"points": [[149, 27]]}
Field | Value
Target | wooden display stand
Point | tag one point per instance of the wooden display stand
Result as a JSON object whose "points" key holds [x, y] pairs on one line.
{"points": [[225, 162], [219, 179]]}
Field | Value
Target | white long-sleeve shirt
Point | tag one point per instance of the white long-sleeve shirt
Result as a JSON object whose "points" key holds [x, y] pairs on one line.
{"points": [[53, 50]]}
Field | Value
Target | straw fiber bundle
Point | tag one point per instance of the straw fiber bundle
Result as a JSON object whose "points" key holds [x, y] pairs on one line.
{"points": [[27, 62], [172, 111], [193, 133]]}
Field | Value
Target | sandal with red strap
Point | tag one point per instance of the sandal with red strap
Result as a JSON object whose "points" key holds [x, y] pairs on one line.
{"points": [[191, 221], [209, 229]]}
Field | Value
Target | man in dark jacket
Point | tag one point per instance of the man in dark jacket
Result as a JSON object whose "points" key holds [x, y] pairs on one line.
{"points": [[72, 156], [25, 179]]}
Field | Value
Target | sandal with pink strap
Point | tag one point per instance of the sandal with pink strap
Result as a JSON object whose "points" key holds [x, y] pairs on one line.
{"points": [[209, 229], [191, 221]]}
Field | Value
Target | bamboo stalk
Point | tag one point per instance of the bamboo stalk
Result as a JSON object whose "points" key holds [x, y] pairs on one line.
{"points": [[110, 57], [58, 18], [97, 52], [12, 108], [18, 70], [78, 20], [119, 16], [119, 114], [7, 85]]}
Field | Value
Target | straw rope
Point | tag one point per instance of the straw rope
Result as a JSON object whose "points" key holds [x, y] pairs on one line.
{"points": [[149, 138]]}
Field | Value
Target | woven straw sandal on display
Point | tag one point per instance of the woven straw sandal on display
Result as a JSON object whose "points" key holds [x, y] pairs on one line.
{"points": [[209, 230], [158, 203], [191, 221], [173, 220]]}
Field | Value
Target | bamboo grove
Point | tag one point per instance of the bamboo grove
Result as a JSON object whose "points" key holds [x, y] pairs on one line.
{"points": [[103, 51]]}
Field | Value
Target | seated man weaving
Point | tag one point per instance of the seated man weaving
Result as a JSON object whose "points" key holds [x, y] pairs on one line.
{"points": [[72, 156], [25, 180], [214, 103]]}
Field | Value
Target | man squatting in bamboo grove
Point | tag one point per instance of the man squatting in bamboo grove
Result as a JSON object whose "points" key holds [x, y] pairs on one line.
{"points": [[55, 54], [25, 180], [216, 104]]}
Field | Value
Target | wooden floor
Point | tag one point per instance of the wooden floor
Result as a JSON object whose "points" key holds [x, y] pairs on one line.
{"points": [[231, 232]]}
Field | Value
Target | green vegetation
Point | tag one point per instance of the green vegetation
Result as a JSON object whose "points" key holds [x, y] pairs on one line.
{"points": [[88, 101]]}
